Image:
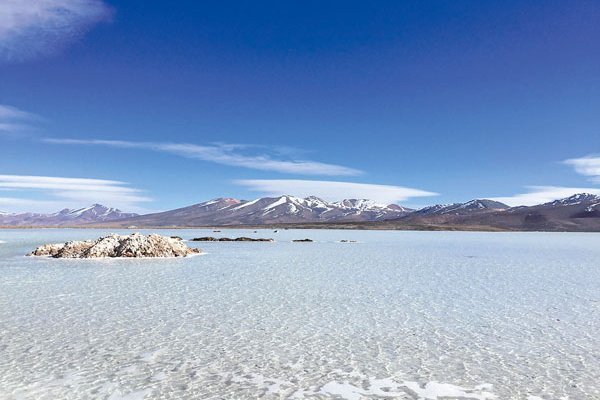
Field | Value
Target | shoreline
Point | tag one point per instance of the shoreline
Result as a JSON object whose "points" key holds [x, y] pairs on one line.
{"points": [[309, 226]]}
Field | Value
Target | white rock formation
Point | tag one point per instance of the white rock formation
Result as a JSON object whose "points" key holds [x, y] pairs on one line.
{"points": [[134, 245]]}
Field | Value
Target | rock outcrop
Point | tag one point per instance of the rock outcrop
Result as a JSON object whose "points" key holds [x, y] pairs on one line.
{"points": [[135, 245], [224, 239], [302, 240]]}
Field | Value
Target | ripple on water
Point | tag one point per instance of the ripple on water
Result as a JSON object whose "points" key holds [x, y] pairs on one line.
{"points": [[407, 315]]}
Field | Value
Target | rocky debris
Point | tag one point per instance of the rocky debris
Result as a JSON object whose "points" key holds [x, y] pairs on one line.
{"points": [[303, 240], [135, 245], [225, 239]]}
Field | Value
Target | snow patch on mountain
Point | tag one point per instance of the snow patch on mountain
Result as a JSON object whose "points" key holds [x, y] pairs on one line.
{"points": [[576, 199], [461, 208]]}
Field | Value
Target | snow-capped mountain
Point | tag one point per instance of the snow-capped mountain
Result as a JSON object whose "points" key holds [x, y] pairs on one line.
{"points": [[577, 207], [96, 213], [576, 199], [270, 210], [580, 212], [477, 205], [577, 212], [93, 213]]}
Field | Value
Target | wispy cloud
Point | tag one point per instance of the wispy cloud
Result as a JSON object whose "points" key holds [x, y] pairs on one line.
{"points": [[9, 112], [587, 166], [14, 121], [29, 28], [50, 193], [225, 154], [333, 191], [543, 194]]}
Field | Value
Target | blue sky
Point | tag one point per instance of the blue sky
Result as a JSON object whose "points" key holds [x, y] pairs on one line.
{"points": [[157, 105]]}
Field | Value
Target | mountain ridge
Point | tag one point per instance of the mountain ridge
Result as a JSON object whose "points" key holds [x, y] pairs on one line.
{"points": [[65, 217], [265, 210], [579, 212]]}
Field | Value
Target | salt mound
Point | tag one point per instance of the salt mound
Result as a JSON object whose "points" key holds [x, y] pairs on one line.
{"points": [[135, 245]]}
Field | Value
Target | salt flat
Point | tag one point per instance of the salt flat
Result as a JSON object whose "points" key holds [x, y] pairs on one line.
{"points": [[404, 315]]}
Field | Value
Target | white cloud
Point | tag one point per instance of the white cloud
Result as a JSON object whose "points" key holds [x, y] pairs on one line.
{"points": [[543, 194], [333, 191], [225, 154], [50, 193], [9, 112], [587, 166], [29, 28], [15, 121]]}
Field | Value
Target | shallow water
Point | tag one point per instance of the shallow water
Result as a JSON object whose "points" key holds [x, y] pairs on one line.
{"points": [[406, 315]]}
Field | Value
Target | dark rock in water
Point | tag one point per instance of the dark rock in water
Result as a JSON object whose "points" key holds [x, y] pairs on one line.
{"points": [[225, 239], [216, 231], [303, 240], [247, 239], [347, 241], [205, 239], [177, 237], [135, 245]]}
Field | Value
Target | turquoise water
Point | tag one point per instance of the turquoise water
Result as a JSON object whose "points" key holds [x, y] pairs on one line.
{"points": [[404, 315]]}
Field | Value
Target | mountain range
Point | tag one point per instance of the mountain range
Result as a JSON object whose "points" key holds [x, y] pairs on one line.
{"points": [[66, 217], [580, 212], [270, 210]]}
